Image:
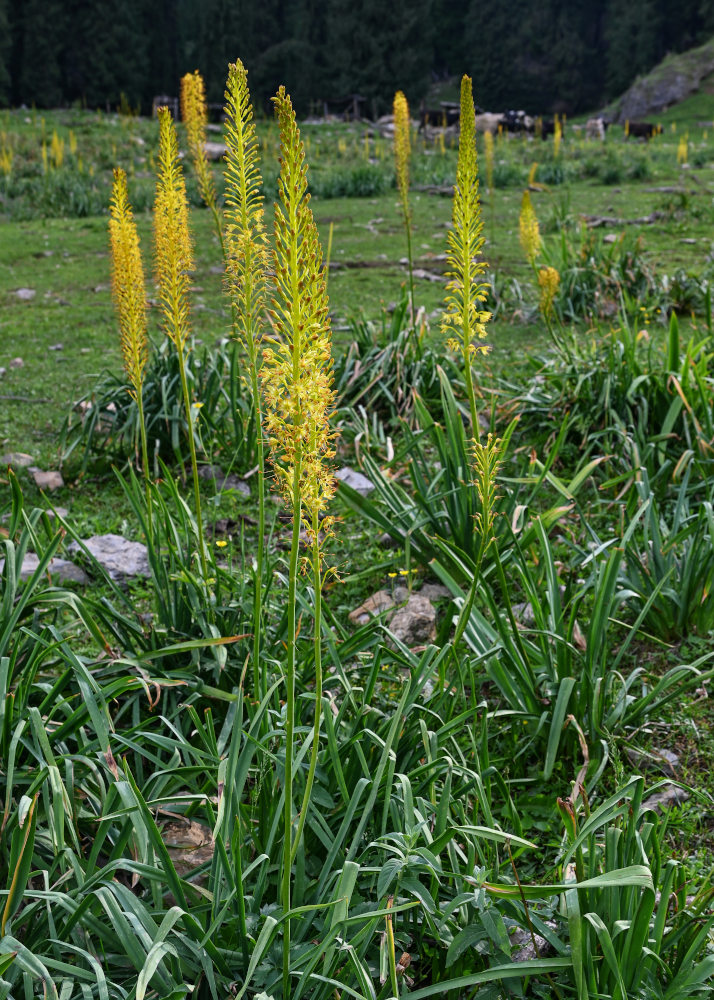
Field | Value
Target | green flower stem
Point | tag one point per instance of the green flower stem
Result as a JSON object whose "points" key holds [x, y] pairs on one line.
{"points": [[317, 586], [145, 463], [290, 722], [194, 464]]}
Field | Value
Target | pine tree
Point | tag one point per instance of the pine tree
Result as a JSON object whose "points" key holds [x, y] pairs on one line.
{"points": [[5, 50], [41, 36]]}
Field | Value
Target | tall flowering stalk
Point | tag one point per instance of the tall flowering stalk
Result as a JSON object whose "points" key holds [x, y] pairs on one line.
{"points": [[466, 292], [529, 230], [129, 295], [297, 382], [174, 260], [246, 265], [402, 155], [194, 114]]}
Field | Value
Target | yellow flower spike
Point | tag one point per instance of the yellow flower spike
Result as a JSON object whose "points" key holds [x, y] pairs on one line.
{"points": [[402, 146], [128, 284], [548, 281], [195, 117], [246, 244], [174, 253], [488, 146], [465, 291], [174, 261], [297, 366], [402, 154], [529, 230]]}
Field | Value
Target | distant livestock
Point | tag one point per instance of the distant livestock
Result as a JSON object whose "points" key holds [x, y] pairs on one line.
{"points": [[642, 130], [488, 121], [443, 117], [595, 128]]}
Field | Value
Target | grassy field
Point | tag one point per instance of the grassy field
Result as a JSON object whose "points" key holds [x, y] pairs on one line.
{"points": [[462, 784]]}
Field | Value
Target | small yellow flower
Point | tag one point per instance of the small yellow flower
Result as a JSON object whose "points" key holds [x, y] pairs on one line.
{"points": [[221, 544]]}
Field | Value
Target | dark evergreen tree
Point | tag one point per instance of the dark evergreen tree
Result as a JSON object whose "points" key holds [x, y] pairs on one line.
{"points": [[375, 49], [41, 33], [5, 51]]}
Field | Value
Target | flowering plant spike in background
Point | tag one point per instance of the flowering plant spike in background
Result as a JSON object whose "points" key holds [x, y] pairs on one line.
{"points": [[402, 155], [128, 283], [129, 296], [528, 229], [174, 261], [466, 292], [195, 118]]}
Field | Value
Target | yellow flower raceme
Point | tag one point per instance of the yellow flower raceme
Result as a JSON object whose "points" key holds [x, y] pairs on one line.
{"points": [[548, 281], [529, 230], [297, 366], [466, 292], [246, 245], [128, 283], [195, 117], [402, 145], [174, 253]]}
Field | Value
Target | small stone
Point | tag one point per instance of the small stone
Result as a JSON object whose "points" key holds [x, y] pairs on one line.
{"points": [[3, 371], [189, 845], [223, 482], [56, 347], [17, 459], [355, 480], [47, 480], [58, 512], [85, 350], [121, 559], [214, 150], [654, 760], [17, 363], [376, 604], [210, 472], [64, 570], [665, 798], [25, 294], [525, 949], [435, 592], [415, 623], [609, 238], [387, 542]]}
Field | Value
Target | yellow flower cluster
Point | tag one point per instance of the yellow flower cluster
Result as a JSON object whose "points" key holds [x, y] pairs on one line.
{"points": [[466, 293], [548, 281], [195, 117], [174, 254], [682, 150], [128, 283], [529, 230], [297, 366], [402, 144], [246, 245]]}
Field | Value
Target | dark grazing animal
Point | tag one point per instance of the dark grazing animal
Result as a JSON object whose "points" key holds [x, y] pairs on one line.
{"points": [[642, 130]]}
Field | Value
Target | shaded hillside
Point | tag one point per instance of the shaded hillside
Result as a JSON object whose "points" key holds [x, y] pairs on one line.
{"points": [[676, 78]]}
